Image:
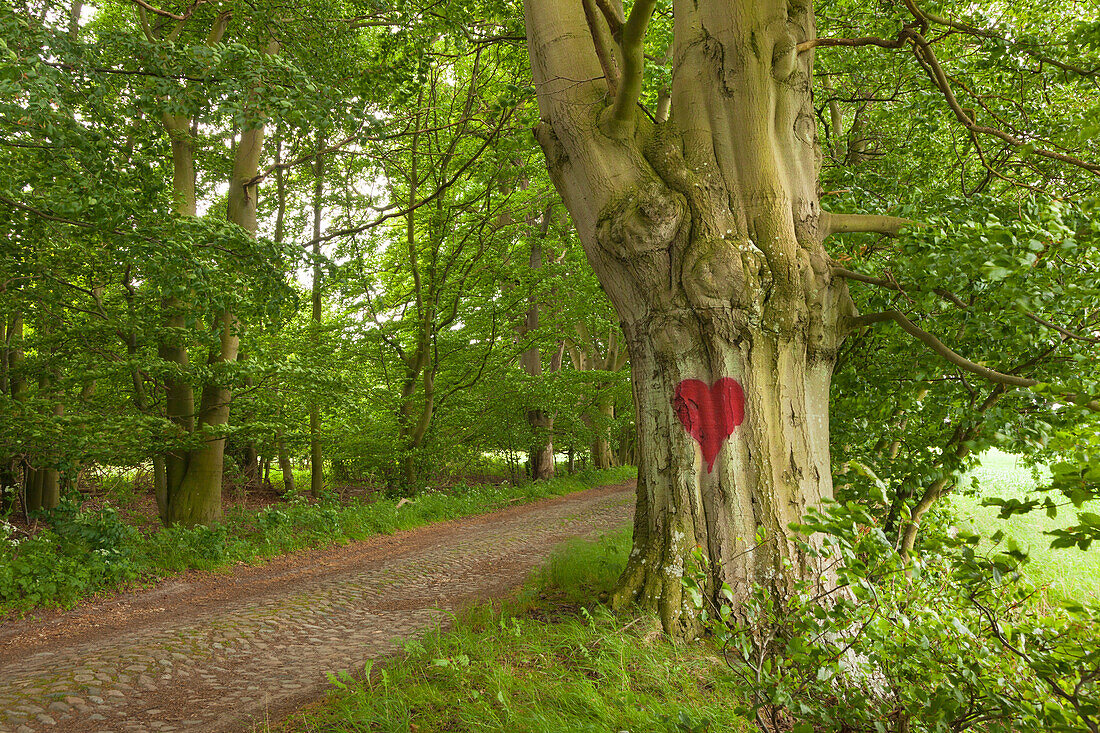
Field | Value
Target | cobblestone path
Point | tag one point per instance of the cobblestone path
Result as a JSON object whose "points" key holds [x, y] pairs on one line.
{"points": [[246, 650]]}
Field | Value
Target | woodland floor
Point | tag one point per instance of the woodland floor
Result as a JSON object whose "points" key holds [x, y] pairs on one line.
{"points": [[223, 651]]}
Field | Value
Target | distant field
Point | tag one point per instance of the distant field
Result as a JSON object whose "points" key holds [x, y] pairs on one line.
{"points": [[1070, 573]]}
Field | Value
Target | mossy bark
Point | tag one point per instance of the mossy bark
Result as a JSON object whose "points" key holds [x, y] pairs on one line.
{"points": [[604, 409], [195, 478], [197, 497], [705, 231], [316, 452]]}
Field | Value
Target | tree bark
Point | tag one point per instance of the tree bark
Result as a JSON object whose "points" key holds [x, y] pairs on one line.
{"points": [[180, 396], [198, 497], [541, 453], [43, 481], [284, 464], [704, 231], [17, 381], [316, 455], [8, 484], [587, 356], [602, 456]]}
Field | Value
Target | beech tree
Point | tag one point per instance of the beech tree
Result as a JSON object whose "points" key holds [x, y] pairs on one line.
{"points": [[699, 207]]}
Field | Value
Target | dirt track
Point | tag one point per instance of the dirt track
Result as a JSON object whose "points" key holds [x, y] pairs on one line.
{"points": [[217, 652]]}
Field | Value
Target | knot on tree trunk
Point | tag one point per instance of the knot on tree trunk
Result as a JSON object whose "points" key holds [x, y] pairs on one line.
{"points": [[643, 220]]}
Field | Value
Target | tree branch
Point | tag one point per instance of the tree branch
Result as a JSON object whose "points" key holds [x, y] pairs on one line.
{"points": [[439, 191], [1064, 331], [925, 17], [165, 13], [625, 109], [846, 223], [927, 58], [955, 300], [864, 41], [894, 285], [613, 16], [954, 357], [602, 44]]}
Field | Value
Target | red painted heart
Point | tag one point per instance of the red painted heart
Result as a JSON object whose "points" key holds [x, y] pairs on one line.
{"points": [[710, 414]]}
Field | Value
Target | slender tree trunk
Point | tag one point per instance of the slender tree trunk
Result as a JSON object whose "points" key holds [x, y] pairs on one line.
{"points": [[251, 466], [5, 345], [197, 498], [179, 394], [18, 384], [32, 488], [541, 422], [141, 402], [44, 481], [951, 456], [316, 454], [284, 464], [50, 476], [602, 455], [626, 454], [250, 459], [541, 455], [411, 432], [7, 472], [74, 19], [706, 233]]}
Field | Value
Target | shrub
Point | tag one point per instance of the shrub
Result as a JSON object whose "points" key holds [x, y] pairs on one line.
{"points": [[954, 642]]}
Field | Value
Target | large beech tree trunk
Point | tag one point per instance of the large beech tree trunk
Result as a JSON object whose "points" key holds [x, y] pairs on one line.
{"points": [[706, 232]]}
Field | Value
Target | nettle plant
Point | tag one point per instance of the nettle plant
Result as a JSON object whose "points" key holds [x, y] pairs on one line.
{"points": [[953, 642]]}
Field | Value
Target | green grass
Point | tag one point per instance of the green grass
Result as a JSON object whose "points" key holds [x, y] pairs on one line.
{"points": [[546, 662], [1070, 573], [85, 553]]}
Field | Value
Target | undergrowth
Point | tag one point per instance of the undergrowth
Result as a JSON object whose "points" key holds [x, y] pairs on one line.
{"points": [[82, 553], [549, 660]]}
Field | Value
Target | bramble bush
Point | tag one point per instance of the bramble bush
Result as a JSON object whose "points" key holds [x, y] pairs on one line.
{"points": [[953, 642]]}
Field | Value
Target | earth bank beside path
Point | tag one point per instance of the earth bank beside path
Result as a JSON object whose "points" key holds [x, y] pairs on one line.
{"points": [[214, 652]]}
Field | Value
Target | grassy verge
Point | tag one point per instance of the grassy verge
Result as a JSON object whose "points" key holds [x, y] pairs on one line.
{"points": [[545, 662], [85, 553], [1070, 573]]}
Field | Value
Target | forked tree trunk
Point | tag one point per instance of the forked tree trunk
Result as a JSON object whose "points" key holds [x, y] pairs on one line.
{"points": [[706, 232], [197, 498]]}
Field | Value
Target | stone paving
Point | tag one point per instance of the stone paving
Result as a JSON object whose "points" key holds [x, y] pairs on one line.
{"points": [[257, 657]]}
